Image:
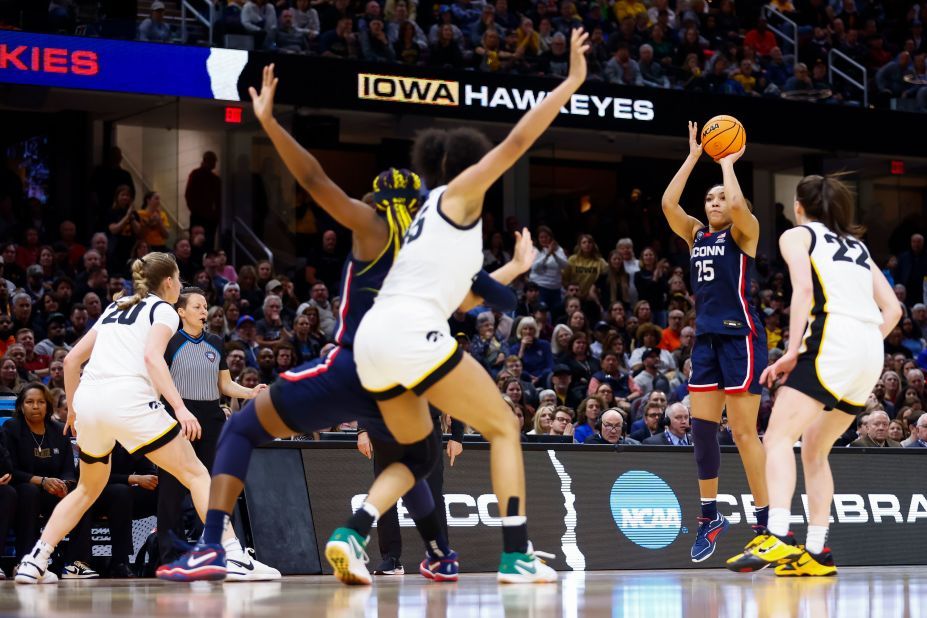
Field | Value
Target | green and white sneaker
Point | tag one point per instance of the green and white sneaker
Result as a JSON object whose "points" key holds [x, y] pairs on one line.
{"points": [[345, 552], [527, 568]]}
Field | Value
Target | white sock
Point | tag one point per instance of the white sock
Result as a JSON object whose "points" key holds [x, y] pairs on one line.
{"points": [[44, 551], [514, 520], [779, 521], [371, 510], [817, 535]]}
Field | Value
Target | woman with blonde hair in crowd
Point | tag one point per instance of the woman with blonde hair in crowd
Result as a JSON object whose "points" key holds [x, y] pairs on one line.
{"points": [[542, 421], [560, 340]]}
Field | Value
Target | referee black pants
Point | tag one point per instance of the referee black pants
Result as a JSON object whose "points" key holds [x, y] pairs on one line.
{"points": [[171, 493], [388, 536]]}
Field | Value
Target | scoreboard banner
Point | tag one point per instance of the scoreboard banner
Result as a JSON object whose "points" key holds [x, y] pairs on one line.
{"points": [[332, 84], [600, 508]]}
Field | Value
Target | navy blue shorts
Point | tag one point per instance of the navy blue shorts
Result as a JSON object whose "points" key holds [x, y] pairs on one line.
{"points": [[324, 393], [733, 363]]}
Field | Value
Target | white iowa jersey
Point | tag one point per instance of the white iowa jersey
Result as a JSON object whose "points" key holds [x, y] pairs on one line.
{"points": [[841, 275], [119, 351], [437, 261]]}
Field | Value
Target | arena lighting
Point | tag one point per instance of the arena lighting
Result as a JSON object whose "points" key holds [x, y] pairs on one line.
{"points": [[897, 168], [233, 115]]}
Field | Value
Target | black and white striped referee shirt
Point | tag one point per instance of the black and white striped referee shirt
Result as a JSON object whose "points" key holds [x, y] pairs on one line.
{"points": [[195, 363]]}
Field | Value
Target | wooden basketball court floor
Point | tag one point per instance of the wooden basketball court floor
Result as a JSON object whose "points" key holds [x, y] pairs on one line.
{"points": [[871, 591]]}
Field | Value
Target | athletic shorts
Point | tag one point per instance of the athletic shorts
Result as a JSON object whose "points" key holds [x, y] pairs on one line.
{"points": [[124, 411], [402, 346], [324, 393], [733, 363], [840, 362]]}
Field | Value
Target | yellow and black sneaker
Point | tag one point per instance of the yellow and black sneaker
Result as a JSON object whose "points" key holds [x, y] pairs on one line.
{"points": [[762, 551], [809, 565]]}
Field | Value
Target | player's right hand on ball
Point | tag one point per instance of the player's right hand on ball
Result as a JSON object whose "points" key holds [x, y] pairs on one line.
{"points": [[189, 426]]}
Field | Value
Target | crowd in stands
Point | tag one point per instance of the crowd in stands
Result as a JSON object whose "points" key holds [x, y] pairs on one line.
{"points": [[593, 330], [695, 45]]}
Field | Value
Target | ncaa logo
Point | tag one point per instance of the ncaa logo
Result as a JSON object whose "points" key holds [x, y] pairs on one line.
{"points": [[645, 509]]}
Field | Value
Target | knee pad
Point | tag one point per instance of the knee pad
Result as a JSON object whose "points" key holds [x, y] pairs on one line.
{"points": [[422, 456], [241, 434], [245, 424], [707, 448]]}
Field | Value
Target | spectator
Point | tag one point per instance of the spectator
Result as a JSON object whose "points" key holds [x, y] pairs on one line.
{"points": [[622, 385], [153, 222], [399, 18], [671, 337], [32, 362], [271, 328], [651, 378], [154, 28], [761, 39], [10, 382], [445, 51], [246, 334], [543, 419], [560, 381], [375, 45], [890, 79], [259, 18], [585, 266], [308, 338], [653, 412], [43, 473], [676, 431], [896, 429], [611, 430], [919, 433], [622, 69], [217, 324], [485, 346], [340, 42], [123, 225], [548, 266], [555, 62], [55, 336], [94, 307], [651, 70], [588, 413], [514, 367], [266, 363], [562, 422], [877, 432], [580, 360], [534, 353], [203, 195], [306, 20], [287, 37], [407, 49]]}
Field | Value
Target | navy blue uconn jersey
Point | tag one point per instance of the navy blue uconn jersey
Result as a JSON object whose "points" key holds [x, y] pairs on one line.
{"points": [[720, 276], [360, 284]]}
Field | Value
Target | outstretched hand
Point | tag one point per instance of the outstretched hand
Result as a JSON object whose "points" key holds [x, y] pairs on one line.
{"points": [[695, 149], [264, 102], [578, 49], [525, 251]]}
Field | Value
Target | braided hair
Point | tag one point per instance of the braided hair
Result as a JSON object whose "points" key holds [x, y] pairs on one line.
{"points": [[397, 194]]}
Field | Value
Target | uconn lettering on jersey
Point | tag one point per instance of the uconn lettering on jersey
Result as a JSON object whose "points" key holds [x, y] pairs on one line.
{"points": [[708, 251]]}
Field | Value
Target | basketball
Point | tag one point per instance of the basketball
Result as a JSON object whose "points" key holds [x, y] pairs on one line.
{"points": [[723, 135]]}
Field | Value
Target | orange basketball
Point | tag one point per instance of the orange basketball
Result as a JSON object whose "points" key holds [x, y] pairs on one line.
{"points": [[723, 135]]}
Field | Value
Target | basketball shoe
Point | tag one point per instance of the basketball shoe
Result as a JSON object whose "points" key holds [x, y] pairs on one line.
{"points": [[808, 564], [525, 568], [241, 566], [32, 570], [762, 551], [345, 551], [443, 569], [202, 563], [706, 539]]}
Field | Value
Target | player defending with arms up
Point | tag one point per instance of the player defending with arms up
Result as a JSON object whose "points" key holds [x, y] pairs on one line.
{"points": [[730, 344], [843, 304], [405, 354]]}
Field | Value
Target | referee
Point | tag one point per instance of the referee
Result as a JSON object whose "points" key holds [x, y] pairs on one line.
{"points": [[198, 369]]}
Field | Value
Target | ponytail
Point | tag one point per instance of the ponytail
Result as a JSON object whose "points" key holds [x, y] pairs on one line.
{"points": [[830, 201], [397, 193], [148, 273]]}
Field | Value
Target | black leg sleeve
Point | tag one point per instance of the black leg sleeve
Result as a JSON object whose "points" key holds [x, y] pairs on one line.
{"points": [[436, 484]]}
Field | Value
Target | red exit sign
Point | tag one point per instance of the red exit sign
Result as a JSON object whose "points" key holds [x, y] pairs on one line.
{"points": [[233, 115], [897, 168]]}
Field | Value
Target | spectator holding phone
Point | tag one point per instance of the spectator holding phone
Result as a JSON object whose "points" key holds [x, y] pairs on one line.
{"points": [[43, 473]]}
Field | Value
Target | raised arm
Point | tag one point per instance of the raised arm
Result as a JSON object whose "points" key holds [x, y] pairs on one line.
{"points": [[746, 228], [463, 199], [498, 296], [683, 225], [307, 170]]}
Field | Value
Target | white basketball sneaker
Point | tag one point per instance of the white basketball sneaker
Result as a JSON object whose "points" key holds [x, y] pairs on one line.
{"points": [[243, 567], [525, 568], [32, 570]]}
